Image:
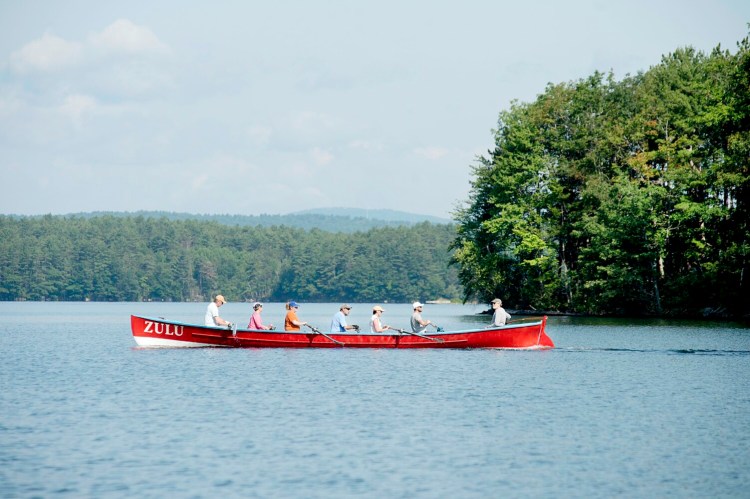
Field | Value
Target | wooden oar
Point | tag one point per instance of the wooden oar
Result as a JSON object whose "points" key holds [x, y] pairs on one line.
{"points": [[404, 331], [318, 331]]}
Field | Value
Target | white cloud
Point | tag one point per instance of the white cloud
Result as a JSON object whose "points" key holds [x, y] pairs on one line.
{"points": [[76, 106], [432, 153], [311, 122], [321, 157], [126, 37], [48, 53], [366, 145], [260, 135], [123, 60]]}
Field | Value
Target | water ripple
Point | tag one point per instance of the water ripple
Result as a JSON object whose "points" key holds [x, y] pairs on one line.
{"points": [[678, 351]]}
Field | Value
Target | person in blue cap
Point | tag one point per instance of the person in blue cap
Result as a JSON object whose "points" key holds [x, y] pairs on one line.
{"points": [[291, 321]]}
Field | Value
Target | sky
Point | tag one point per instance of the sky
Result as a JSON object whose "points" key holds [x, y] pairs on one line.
{"points": [[237, 107]]}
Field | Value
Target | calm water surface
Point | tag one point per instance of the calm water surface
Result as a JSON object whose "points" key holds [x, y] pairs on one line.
{"points": [[635, 409]]}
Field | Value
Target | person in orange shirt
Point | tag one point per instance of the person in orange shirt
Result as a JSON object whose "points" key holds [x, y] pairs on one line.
{"points": [[291, 321]]}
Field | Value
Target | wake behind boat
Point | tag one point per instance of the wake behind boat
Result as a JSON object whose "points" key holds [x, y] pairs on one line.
{"points": [[158, 332]]}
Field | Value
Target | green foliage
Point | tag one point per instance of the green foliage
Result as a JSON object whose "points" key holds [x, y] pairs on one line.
{"points": [[110, 258], [625, 197]]}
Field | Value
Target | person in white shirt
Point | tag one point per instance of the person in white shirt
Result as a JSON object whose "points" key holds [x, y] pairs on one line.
{"points": [[376, 325], [212, 313], [500, 317]]}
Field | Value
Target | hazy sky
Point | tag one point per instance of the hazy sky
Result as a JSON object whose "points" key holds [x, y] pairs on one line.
{"points": [[273, 107]]}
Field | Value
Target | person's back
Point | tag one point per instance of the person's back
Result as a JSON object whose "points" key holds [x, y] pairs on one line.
{"points": [[212, 317], [338, 323], [211, 311]]}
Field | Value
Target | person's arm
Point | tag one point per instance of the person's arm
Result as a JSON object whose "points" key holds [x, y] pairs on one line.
{"points": [[344, 324], [378, 328], [221, 322]]}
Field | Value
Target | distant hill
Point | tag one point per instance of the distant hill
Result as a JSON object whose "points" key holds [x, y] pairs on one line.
{"points": [[385, 215], [343, 220]]}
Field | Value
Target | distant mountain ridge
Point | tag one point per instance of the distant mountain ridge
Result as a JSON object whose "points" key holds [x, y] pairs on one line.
{"points": [[376, 214], [344, 220]]}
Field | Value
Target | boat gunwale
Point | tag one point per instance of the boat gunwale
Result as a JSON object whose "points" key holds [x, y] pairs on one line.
{"points": [[347, 334]]}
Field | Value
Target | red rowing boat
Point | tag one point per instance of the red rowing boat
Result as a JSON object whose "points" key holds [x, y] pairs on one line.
{"points": [[152, 332]]}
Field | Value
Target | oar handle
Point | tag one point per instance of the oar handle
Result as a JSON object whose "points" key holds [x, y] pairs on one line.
{"points": [[404, 331]]}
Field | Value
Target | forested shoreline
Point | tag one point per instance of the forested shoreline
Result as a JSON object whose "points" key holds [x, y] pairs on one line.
{"points": [[111, 258], [626, 197]]}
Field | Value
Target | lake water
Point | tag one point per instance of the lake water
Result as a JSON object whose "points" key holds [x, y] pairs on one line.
{"points": [[642, 408]]}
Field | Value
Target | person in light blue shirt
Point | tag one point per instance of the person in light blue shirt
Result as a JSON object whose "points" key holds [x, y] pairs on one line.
{"points": [[338, 323]]}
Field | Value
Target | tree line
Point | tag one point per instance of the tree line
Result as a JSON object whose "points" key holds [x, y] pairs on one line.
{"points": [[618, 197], [331, 220], [112, 258]]}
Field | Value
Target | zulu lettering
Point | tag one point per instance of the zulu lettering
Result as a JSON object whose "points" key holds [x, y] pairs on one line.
{"points": [[165, 329]]}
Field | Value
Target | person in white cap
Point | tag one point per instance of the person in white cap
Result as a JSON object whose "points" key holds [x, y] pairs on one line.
{"points": [[500, 317], [376, 325], [212, 313], [418, 325], [256, 322]]}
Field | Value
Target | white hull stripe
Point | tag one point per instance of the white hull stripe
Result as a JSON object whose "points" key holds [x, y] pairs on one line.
{"points": [[146, 341]]}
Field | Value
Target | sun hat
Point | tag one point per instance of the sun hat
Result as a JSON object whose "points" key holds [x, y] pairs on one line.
{"points": [[345, 305], [220, 298], [416, 304], [377, 308], [496, 300], [257, 304]]}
